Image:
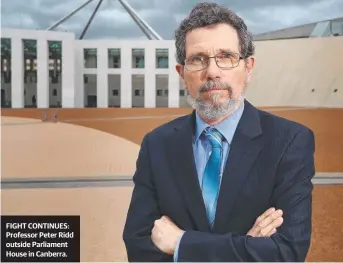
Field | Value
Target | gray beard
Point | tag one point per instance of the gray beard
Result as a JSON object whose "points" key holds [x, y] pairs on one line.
{"points": [[213, 110]]}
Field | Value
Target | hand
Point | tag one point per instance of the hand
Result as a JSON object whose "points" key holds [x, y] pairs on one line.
{"points": [[267, 223], [165, 235]]}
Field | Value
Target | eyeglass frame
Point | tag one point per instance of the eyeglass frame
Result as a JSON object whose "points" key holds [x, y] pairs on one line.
{"points": [[209, 57]]}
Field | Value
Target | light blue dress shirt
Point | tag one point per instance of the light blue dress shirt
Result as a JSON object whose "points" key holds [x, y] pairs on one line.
{"points": [[202, 147]]}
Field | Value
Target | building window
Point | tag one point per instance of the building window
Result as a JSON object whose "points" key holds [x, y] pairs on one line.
{"points": [[54, 92], [138, 60], [114, 58], [159, 92], [182, 92], [114, 86], [137, 87], [90, 57], [161, 58], [5, 68], [116, 62]]}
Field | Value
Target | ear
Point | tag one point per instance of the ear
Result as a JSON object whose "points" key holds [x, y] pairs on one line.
{"points": [[179, 68], [250, 63]]}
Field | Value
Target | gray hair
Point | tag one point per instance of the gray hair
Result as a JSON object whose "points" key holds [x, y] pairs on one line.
{"points": [[207, 14]]}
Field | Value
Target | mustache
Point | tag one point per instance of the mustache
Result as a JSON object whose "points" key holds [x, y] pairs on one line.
{"points": [[209, 85]]}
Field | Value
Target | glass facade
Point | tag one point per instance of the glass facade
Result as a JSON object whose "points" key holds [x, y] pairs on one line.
{"points": [[90, 90], [6, 85], [114, 90], [161, 90], [114, 58], [328, 28], [90, 57], [336, 27], [183, 95], [138, 90], [55, 74], [161, 58], [30, 73], [138, 58]]}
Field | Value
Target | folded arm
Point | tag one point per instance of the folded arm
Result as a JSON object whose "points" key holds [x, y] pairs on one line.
{"points": [[292, 194], [142, 213]]}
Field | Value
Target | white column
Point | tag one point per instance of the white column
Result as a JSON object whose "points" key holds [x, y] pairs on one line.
{"points": [[17, 67], [68, 73], [126, 79], [102, 79], [42, 73], [173, 83], [149, 78]]}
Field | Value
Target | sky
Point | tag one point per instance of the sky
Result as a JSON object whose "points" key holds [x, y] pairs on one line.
{"points": [[112, 21]]}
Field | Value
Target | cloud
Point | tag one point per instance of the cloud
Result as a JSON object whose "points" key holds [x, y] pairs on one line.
{"points": [[113, 22]]}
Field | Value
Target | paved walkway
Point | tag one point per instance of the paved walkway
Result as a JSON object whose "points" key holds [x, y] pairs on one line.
{"points": [[116, 180]]}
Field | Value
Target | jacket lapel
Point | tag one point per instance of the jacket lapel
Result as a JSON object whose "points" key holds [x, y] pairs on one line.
{"points": [[244, 149], [181, 158]]}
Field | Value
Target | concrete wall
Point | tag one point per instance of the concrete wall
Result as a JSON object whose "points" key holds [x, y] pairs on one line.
{"points": [[298, 72]]}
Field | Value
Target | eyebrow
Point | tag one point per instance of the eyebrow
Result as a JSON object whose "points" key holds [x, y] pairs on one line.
{"points": [[202, 53], [226, 51], [198, 53]]}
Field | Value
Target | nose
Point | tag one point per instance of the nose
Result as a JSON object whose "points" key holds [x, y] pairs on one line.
{"points": [[213, 72]]}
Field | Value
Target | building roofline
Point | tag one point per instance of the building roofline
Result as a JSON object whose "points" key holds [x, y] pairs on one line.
{"points": [[300, 25]]}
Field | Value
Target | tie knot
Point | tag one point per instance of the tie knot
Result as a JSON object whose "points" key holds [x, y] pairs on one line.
{"points": [[215, 137]]}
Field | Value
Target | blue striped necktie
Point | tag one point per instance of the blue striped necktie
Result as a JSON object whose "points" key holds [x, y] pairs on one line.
{"points": [[210, 184]]}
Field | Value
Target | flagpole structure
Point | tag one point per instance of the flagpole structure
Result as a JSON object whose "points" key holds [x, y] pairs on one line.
{"points": [[146, 29], [68, 16]]}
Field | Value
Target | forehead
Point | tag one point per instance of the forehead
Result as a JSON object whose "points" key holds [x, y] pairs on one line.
{"points": [[211, 40]]}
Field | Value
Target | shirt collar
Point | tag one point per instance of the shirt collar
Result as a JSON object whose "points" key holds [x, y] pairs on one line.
{"points": [[227, 127]]}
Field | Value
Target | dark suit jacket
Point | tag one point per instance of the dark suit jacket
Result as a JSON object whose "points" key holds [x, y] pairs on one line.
{"points": [[270, 164]]}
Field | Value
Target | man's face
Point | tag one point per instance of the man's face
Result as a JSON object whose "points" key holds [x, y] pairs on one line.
{"points": [[214, 91]]}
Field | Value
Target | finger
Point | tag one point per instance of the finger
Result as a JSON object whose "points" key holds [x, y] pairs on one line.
{"points": [[278, 222], [167, 219], [275, 224], [158, 223], [265, 214], [255, 230], [268, 234], [271, 232], [269, 219]]}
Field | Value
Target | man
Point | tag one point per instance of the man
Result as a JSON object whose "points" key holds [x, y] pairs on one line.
{"points": [[228, 182]]}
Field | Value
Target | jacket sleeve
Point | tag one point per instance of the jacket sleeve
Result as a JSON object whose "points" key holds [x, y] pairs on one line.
{"points": [[143, 211], [292, 194]]}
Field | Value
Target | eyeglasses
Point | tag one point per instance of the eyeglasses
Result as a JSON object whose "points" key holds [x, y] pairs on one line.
{"points": [[223, 60]]}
